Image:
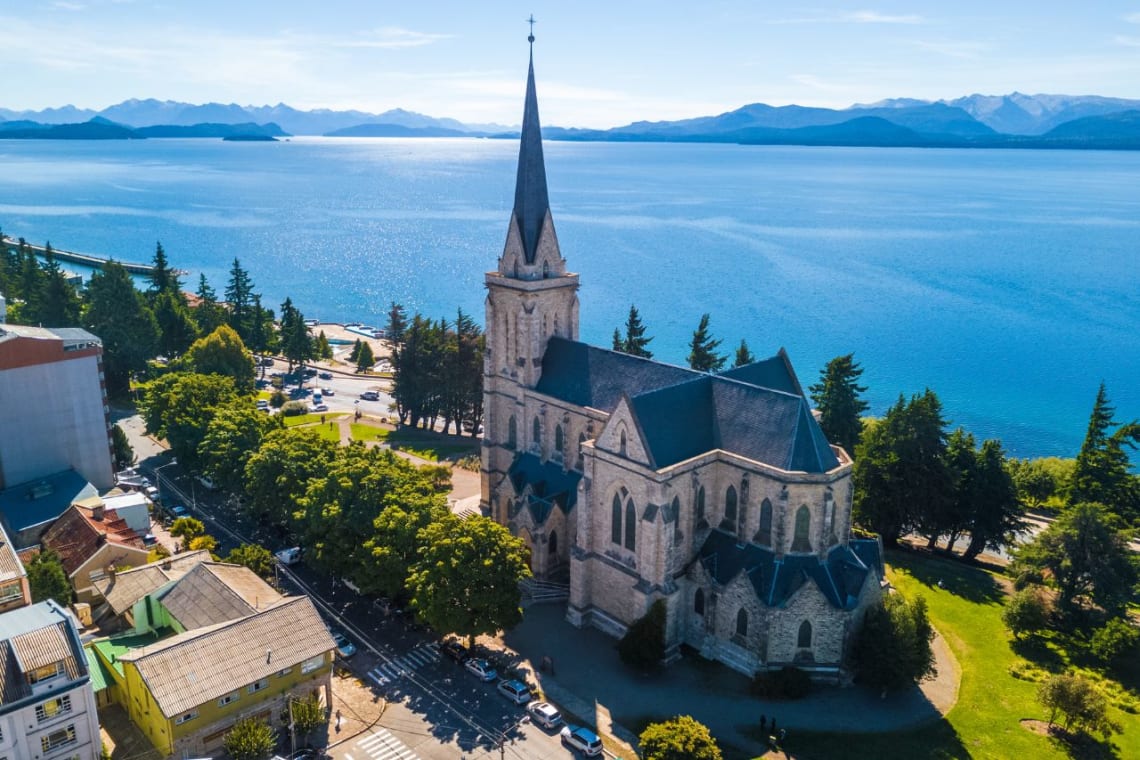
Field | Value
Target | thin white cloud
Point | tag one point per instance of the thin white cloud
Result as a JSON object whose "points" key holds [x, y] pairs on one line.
{"points": [[854, 17], [965, 50], [392, 37], [874, 17]]}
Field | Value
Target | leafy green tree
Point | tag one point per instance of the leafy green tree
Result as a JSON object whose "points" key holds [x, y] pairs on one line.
{"points": [[1035, 483], [634, 343], [222, 353], [1085, 554], [467, 579], [176, 326], [837, 396], [1079, 704], [1116, 640], [308, 715], [1026, 612], [397, 542], [250, 739], [208, 313], [180, 406], [1102, 471], [119, 315], [187, 528], [47, 579], [278, 474], [702, 349], [254, 556], [121, 451], [892, 649], [901, 478], [643, 645], [203, 542], [59, 304], [952, 516], [239, 296], [679, 738], [744, 356], [233, 436], [365, 358], [994, 515]]}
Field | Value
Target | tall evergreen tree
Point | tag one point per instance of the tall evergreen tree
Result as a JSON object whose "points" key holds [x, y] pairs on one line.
{"points": [[995, 515], [619, 342], [1102, 472], [239, 295], [364, 358], [634, 343], [296, 343], [59, 302], [743, 355], [163, 279], [176, 326], [837, 396], [31, 287], [120, 316], [702, 349], [208, 314]]}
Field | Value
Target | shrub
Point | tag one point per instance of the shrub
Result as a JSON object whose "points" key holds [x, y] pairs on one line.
{"points": [[643, 645], [1076, 701], [1114, 640], [1027, 577], [294, 408], [679, 738], [785, 683], [892, 649], [1026, 612], [278, 399]]}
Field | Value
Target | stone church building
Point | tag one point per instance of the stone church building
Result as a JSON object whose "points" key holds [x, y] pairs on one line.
{"points": [[637, 480]]}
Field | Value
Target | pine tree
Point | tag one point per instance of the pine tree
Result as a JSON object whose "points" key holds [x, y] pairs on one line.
{"points": [[59, 302], [122, 319], [239, 295], [1102, 471], [163, 279], [31, 288], [635, 341], [836, 395], [743, 355], [176, 326], [296, 343], [208, 314], [702, 349], [323, 348], [995, 514], [355, 353], [365, 359], [619, 342]]}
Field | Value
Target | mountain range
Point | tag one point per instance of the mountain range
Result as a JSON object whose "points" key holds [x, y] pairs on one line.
{"points": [[1015, 120]]}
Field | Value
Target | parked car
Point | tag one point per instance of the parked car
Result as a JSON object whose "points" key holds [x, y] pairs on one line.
{"points": [[344, 647], [290, 556], [262, 405], [207, 483], [481, 669], [544, 714], [309, 372], [179, 511], [582, 739], [370, 396], [328, 391], [321, 408], [455, 650], [516, 691], [324, 375]]}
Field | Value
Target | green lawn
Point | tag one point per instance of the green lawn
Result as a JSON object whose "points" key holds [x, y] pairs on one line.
{"points": [[362, 432], [430, 445], [991, 702], [309, 419]]}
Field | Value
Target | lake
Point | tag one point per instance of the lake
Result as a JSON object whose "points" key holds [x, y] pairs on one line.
{"points": [[1006, 281]]}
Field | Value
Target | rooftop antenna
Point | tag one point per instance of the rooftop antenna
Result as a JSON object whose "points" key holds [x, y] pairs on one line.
{"points": [[530, 21]]}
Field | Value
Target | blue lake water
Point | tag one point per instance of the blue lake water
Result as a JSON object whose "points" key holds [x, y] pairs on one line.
{"points": [[1007, 281]]}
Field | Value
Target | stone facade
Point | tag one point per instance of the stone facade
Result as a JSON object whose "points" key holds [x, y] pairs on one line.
{"points": [[745, 538]]}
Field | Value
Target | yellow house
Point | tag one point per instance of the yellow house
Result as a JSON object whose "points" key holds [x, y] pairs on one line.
{"points": [[216, 655]]}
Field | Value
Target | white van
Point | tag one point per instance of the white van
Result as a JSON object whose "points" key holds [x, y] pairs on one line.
{"points": [[290, 556]]}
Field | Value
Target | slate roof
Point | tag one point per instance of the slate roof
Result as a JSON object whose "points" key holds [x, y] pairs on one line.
{"points": [[214, 592], [124, 588], [77, 535], [839, 578], [196, 667], [550, 486], [39, 501], [775, 372], [531, 198]]}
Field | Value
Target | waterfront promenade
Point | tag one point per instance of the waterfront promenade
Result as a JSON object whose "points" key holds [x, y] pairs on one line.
{"points": [[84, 259]]}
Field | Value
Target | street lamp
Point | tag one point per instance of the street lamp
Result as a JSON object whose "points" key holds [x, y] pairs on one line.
{"points": [[158, 472]]}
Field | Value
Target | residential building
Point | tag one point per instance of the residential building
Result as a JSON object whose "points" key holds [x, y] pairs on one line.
{"points": [[91, 542], [14, 589], [54, 414], [210, 647], [638, 481], [125, 593], [27, 510], [48, 707]]}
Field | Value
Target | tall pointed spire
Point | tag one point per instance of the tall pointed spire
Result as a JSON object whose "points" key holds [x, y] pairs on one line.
{"points": [[531, 199]]}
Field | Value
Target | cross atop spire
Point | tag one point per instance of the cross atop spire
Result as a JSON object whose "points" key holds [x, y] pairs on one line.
{"points": [[530, 21], [531, 200]]}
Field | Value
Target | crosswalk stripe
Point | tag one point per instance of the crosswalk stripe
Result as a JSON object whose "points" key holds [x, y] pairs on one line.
{"points": [[383, 745]]}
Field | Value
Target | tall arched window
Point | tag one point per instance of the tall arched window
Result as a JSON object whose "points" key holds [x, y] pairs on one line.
{"points": [[729, 522], [630, 526], [512, 433], [615, 520], [536, 434], [621, 444], [699, 602], [764, 535], [676, 521], [558, 439], [553, 544], [800, 540], [742, 512], [803, 641], [742, 623], [700, 505], [581, 455]]}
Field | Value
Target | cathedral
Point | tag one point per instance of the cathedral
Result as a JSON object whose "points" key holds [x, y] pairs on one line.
{"points": [[638, 481]]}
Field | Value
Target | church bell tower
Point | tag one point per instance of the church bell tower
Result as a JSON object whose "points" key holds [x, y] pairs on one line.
{"points": [[530, 298]]}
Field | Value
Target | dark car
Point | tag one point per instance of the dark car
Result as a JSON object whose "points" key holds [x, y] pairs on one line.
{"points": [[325, 375], [455, 650]]}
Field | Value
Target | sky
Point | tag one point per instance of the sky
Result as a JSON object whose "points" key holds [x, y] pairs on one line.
{"points": [[598, 64]]}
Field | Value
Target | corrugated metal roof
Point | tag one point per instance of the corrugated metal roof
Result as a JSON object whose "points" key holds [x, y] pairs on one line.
{"points": [[212, 593], [10, 565], [125, 588], [196, 667]]}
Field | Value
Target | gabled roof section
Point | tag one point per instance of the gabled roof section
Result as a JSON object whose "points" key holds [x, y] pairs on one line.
{"points": [[122, 589], [531, 198], [32, 637], [82, 530], [214, 592], [774, 372], [585, 375], [550, 486], [196, 667]]}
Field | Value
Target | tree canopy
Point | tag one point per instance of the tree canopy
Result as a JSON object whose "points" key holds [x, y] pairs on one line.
{"points": [[250, 739], [222, 353], [841, 407], [233, 435], [892, 649], [679, 738], [277, 475], [180, 407], [634, 343], [702, 349], [119, 315], [1102, 470], [47, 579], [744, 356]]}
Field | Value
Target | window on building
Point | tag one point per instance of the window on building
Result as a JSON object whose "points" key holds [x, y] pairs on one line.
{"points": [[558, 438], [800, 540], [742, 623], [676, 521], [553, 545], [185, 717], [536, 434], [284, 672], [630, 525], [311, 664], [701, 506], [621, 444], [45, 673], [764, 534], [231, 697], [615, 520], [257, 686], [53, 708], [10, 592], [512, 433], [803, 641], [730, 509], [699, 602], [581, 454], [57, 739]]}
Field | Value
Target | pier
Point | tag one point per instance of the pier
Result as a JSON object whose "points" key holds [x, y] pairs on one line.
{"points": [[84, 259]]}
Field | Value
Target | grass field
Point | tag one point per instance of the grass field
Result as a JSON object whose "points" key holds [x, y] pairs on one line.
{"points": [[985, 723], [309, 419]]}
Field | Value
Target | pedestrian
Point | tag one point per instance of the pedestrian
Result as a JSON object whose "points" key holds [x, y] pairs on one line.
{"points": [[773, 728], [763, 723]]}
